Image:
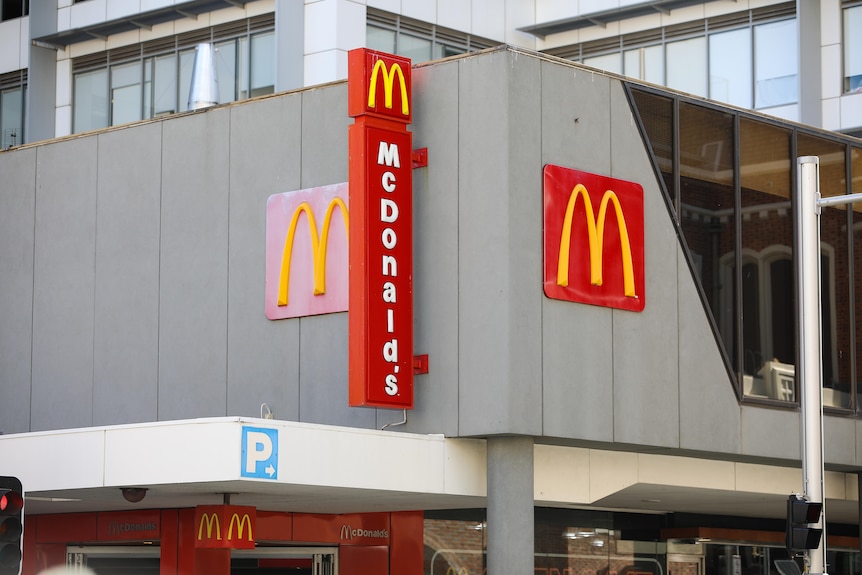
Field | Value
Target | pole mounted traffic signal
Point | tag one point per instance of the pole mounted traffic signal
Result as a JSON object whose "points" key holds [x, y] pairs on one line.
{"points": [[11, 525], [799, 534]]}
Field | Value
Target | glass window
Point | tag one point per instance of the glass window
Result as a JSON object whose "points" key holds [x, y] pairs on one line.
{"points": [[11, 118], [160, 93], [645, 64], [656, 113], [686, 66], [775, 64], [609, 63], [380, 39], [262, 64], [226, 66], [856, 213], [91, 101], [768, 312], [126, 93], [730, 67], [14, 9], [853, 49], [706, 207], [187, 65], [417, 49]]}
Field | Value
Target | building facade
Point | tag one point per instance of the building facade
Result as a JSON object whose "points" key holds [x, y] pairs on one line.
{"points": [[144, 383], [72, 66]]}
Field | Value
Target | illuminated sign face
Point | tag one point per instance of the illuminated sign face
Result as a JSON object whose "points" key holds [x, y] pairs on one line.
{"points": [[380, 322], [594, 239], [307, 252], [382, 85], [225, 526]]}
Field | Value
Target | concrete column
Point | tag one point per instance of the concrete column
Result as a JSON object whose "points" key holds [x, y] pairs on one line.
{"points": [[810, 83], [331, 28], [290, 43], [510, 505]]}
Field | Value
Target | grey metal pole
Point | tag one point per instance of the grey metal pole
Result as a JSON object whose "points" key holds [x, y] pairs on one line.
{"points": [[810, 375]]}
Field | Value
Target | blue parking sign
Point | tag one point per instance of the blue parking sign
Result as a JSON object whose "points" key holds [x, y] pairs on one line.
{"points": [[259, 452]]}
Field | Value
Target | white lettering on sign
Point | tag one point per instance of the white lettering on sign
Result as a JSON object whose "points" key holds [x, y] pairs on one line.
{"points": [[387, 154], [259, 449]]}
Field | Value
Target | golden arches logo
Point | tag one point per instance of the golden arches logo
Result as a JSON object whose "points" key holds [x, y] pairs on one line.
{"points": [[245, 521], [595, 233], [211, 520], [388, 84], [318, 246]]}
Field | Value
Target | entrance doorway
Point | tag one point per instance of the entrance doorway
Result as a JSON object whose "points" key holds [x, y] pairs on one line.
{"points": [[144, 560]]}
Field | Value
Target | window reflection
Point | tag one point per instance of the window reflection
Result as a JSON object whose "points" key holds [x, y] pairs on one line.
{"points": [[730, 67], [768, 312], [738, 228], [91, 101], [645, 64], [11, 117], [856, 214], [126, 93], [686, 69], [853, 49], [706, 208], [775, 64]]}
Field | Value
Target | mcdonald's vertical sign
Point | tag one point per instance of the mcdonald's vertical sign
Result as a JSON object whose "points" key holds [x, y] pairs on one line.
{"points": [[225, 526], [380, 147], [594, 239]]}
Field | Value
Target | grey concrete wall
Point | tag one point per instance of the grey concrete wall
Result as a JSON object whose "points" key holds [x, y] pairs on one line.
{"points": [[132, 276]]}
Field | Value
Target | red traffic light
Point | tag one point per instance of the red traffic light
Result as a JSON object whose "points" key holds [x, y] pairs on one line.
{"points": [[11, 503]]}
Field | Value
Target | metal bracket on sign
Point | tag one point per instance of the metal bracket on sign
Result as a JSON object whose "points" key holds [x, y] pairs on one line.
{"points": [[420, 364], [420, 158]]}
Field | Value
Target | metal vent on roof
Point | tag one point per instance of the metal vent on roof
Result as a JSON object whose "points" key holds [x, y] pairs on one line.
{"points": [[160, 46], [194, 38], [203, 91], [261, 23]]}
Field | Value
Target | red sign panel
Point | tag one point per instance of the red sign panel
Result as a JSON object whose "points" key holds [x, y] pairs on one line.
{"points": [[381, 246], [594, 239], [224, 526], [129, 526], [348, 529], [379, 84]]}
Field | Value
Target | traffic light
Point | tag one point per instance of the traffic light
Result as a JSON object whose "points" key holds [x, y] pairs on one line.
{"points": [[799, 534], [11, 525]]}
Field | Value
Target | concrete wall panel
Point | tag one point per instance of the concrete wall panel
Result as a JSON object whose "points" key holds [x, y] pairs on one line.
{"points": [[324, 136], [706, 397], [17, 239], [323, 374], [646, 345], [770, 433], [483, 235], [263, 355], [497, 397], [577, 339], [435, 250], [126, 323], [63, 285], [194, 260], [524, 246]]}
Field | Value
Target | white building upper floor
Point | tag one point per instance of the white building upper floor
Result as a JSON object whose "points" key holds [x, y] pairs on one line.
{"points": [[108, 62]]}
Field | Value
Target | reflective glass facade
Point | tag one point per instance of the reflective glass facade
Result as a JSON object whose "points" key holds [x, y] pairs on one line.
{"points": [[729, 179], [590, 542]]}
